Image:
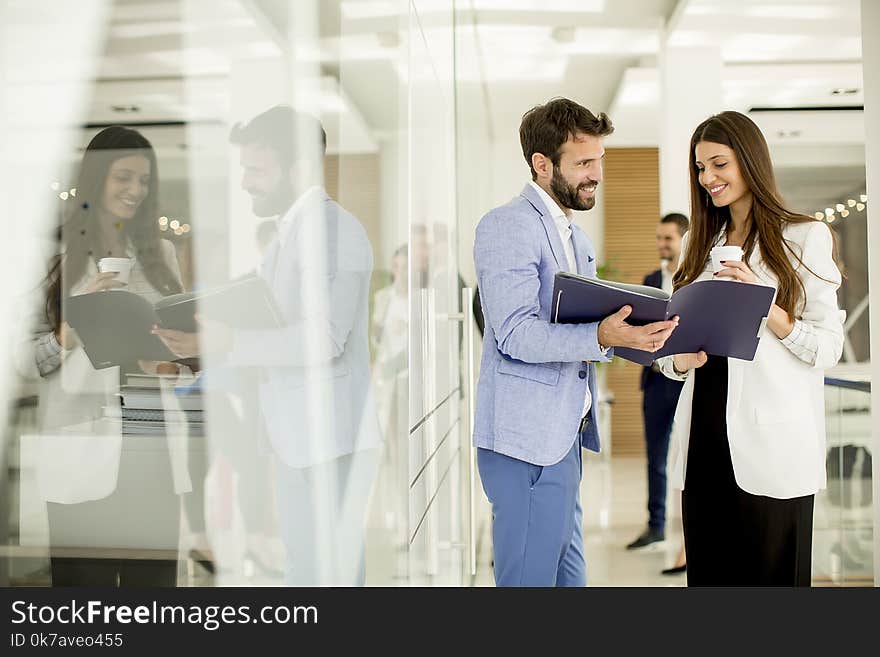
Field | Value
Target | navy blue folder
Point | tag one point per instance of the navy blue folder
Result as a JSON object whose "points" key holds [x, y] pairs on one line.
{"points": [[722, 318]]}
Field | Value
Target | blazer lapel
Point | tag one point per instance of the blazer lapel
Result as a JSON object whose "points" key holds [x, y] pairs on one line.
{"points": [[585, 264], [532, 197]]}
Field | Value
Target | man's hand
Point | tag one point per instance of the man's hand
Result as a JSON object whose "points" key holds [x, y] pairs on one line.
{"points": [[615, 332], [159, 367], [182, 345], [215, 336], [685, 362]]}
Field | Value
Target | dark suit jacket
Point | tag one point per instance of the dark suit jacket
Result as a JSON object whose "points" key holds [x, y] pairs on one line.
{"points": [[654, 279]]}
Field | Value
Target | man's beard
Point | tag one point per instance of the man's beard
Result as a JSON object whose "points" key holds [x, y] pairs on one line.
{"points": [[275, 202], [567, 195]]}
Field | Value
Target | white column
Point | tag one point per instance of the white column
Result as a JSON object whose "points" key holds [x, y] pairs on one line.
{"points": [[871, 76], [690, 82]]}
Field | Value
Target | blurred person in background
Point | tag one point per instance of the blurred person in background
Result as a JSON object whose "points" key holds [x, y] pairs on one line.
{"points": [[660, 394]]}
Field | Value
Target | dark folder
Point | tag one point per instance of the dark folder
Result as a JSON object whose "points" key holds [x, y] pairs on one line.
{"points": [[722, 318], [114, 325]]}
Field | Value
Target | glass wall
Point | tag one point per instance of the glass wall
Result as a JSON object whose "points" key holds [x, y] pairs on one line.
{"points": [[236, 295], [288, 190]]}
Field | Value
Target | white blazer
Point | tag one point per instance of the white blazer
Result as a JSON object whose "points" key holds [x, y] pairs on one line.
{"points": [[78, 454], [775, 403]]}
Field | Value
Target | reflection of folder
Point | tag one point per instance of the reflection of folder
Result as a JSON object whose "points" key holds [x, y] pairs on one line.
{"points": [[114, 325], [722, 318]]}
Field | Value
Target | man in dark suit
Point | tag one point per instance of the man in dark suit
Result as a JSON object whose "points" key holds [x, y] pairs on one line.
{"points": [[660, 394]]}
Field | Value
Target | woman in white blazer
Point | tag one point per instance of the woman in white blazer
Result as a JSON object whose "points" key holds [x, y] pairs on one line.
{"points": [[114, 214], [749, 444]]}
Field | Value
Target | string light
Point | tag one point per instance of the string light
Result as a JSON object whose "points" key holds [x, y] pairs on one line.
{"points": [[842, 209]]}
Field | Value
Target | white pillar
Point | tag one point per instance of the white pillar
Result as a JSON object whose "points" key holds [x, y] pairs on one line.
{"points": [[690, 82], [871, 77]]}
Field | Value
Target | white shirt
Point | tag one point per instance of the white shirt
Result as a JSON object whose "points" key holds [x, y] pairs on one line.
{"points": [[666, 276], [563, 225], [287, 221]]}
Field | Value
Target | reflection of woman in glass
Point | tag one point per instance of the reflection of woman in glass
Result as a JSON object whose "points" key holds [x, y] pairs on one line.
{"points": [[389, 336], [750, 436], [113, 214]]}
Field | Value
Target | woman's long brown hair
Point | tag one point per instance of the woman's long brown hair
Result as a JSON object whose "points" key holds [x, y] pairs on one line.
{"points": [[768, 216], [80, 235]]}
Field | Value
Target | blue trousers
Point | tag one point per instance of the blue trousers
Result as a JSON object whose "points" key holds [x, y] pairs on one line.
{"points": [[658, 409], [537, 524]]}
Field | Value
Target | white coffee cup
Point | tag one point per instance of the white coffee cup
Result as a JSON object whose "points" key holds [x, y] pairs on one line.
{"points": [[122, 267], [724, 253]]}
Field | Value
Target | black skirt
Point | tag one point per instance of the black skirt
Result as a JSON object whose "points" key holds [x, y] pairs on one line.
{"points": [[734, 538]]}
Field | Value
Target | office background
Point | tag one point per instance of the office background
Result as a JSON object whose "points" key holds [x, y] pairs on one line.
{"points": [[421, 100]]}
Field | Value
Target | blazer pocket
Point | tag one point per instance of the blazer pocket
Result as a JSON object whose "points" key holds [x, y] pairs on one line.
{"points": [[546, 374]]}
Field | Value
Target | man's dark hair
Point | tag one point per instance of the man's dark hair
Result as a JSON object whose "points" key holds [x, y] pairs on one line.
{"points": [[545, 128], [279, 128], [678, 219]]}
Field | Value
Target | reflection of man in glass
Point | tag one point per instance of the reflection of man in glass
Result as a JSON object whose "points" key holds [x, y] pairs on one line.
{"points": [[267, 231], [315, 395]]}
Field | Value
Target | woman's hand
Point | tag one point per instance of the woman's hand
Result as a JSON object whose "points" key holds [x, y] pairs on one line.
{"points": [[738, 271], [779, 322], [684, 362], [105, 281], [66, 337]]}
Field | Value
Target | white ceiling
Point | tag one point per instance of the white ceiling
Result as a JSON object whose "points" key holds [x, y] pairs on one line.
{"points": [[170, 59], [787, 53]]}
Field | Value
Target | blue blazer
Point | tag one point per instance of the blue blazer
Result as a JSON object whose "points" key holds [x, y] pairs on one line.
{"points": [[533, 377]]}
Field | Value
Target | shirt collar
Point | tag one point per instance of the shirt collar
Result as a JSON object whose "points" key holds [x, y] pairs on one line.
{"points": [[287, 221], [552, 206]]}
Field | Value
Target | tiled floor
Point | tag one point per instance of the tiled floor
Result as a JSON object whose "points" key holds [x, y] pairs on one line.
{"points": [[613, 494]]}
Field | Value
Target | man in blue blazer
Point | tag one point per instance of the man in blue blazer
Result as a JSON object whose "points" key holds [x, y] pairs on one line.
{"points": [[537, 386]]}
